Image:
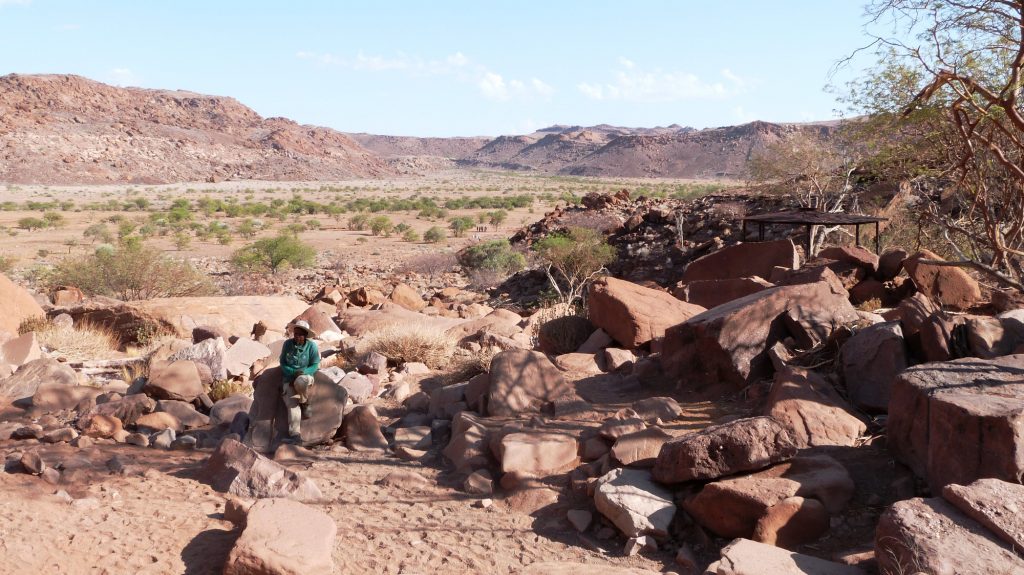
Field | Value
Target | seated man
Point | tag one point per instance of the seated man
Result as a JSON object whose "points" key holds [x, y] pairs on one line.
{"points": [[300, 358]]}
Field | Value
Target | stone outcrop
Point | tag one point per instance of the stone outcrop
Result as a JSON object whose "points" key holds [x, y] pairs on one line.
{"points": [[26, 381], [634, 315], [283, 537], [635, 504], [869, 363], [523, 382], [743, 260], [238, 469]]}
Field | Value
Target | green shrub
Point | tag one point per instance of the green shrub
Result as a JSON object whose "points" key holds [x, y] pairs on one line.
{"points": [[573, 259], [411, 235], [460, 225], [495, 256], [7, 263], [434, 235], [358, 222], [31, 223], [380, 225], [271, 254], [130, 272]]}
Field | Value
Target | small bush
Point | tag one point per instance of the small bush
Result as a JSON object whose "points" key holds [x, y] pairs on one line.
{"points": [[411, 235], [496, 256], [408, 342], [7, 263], [358, 222], [434, 235], [564, 334], [224, 388], [272, 254], [31, 224], [380, 226], [80, 342]]}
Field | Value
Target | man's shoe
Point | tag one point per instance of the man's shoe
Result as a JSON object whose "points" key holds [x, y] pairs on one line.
{"points": [[292, 440], [306, 410]]}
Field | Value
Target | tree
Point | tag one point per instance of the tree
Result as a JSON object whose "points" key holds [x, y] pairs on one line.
{"points": [[497, 217], [460, 225], [130, 272], [573, 259], [380, 225], [434, 235], [957, 89], [358, 222], [271, 254]]}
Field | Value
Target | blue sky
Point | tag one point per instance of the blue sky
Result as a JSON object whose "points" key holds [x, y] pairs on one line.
{"points": [[447, 68]]}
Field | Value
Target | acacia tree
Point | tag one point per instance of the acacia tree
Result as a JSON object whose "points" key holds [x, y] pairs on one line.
{"points": [[959, 77]]}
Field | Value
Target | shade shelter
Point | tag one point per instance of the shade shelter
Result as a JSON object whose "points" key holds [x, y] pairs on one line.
{"points": [[811, 218]]}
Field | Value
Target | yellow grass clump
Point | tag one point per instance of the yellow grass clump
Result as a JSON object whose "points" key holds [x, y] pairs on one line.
{"points": [[80, 342], [411, 342]]}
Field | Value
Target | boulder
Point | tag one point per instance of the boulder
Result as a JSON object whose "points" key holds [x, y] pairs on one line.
{"points": [[989, 337], [949, 286], [238, 469], [26, 381], [358, 386], [993, 503], [537, 454], [811, 410], [407, 297], [209, 352], [746, 557], [733, 507], [240, 357], [640, 448], [616, 359], [743, 260], [869, 363], [158, 421], [16, 305], [937, 337], [362, 429], [729, 343], [20, 350], [416, 437], [127, 409], [468, 447], [890, 263], [523, 382], [53, 397], [224, 411], [940, 411], [654, 408], [231, 314], [366, 296], [185, 413], [448, 400], [712, 293], [580, 363], [569, 568], [855, 255], [934, 537], [283, 537], [178, 380], [101, 426], [205, 332], [596, 342], [742, 445], [63, 296], [634, 503], [268, 418], [634, 315], [912, 312], [319, 316], [792, 522]]}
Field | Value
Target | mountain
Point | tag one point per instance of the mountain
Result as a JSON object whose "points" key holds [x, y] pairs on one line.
{"points": [[63, 129]]}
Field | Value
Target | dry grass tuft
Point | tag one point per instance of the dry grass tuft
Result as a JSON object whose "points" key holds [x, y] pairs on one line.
{"points": [[81, 342], [221, 389], [870, 305], [466, 365], [406, 342]]}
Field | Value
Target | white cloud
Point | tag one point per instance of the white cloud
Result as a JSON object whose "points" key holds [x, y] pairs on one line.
{"points": [[632, 84], [123, 77], [493, 86]]}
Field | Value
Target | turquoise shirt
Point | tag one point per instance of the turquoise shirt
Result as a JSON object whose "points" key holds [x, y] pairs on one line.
{"points": [[299, 359]]}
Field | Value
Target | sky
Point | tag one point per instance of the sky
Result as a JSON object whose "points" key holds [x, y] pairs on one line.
{"points": [[457, 68]]}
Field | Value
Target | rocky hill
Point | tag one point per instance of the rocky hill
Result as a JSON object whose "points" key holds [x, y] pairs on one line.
{"points": [[62, 129]]}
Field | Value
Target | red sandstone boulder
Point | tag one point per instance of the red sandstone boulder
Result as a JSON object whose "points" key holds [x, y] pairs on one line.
{"points": [[743, 260], [537, 454], [869, 363], [890, 263], [711, 293], [728, 343], [237, 469], [407, 297], [812, 410], [950, 286], [746, 557], [993, 503], [855, 255], [16, 305], [177, 380], [523, 382], [634, 315], [283, 537], [27, 380]]}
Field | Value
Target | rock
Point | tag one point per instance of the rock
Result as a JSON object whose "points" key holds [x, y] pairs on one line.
{"points": [[102, 426], [634, 315], [127, 409], [319, 316], [407, 297], [283, 537], [569, 568], [993, 503], [205, 332], [713, 293], [358, 386], [580, 363], [733, 507], [728, 343], [16, 305], [636, 544], [867, 290], [949, 286], [743, 260], [468, 447], [159, 421], [596, 342], [811, 410], [405, 480], [373, 363], [416, 437], [241, 356], [32, 463], [654, 408], [624, 422], [137, 439], [268, 419], [210, 352], [580, 519], [230, 314], [54, 397], [479, 482], [236, 508], [641, 448], [634, 503], [912, 312], [937, 335], [163, 439], [366, 296], [537, 454], [890, 263], [238, 469], [616, 359], [362, 430], [178, 380], [499, 321], [408, 454], [20, 350], [30, 376], [60, 435], [720, 450], [870, 362], [932, 536], [746, 557], [523, 382], [185, 413], [855, 255], [940, 411], [594, 448], [224, 411], [792, 522]]}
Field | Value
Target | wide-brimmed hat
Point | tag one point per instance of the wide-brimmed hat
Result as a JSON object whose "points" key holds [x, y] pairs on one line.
{"points": [[304, 325]]}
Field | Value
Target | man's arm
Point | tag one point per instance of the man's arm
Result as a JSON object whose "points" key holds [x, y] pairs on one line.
{"points": [[287, 370], [314, 359]]}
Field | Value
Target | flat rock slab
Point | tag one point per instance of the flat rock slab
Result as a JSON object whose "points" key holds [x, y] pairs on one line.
{"points": [[720, 450], [640, 448], [811, 409], [523, 382], [283, 537], [238, 469], [934, 537], [743, 260], [746, 557], [634, 503], [568, 568], [24, 382], [538, 454], [240, 356], [633, 314], [998, 505]]}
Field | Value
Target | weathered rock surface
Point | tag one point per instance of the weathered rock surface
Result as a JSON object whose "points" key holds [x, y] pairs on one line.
{"points": [[283, 537], [232, 314], [185, 413], [209, 352], [243, 354], [746, 557], [949, 286], [743, 260], [238, 469], [178, 380], [634, 503], [24, 382], [811, 410], [792, 522], [870, 362], [993, 503], [634, 315], [855, 255], [537, 454], [52, 397], [932, 536], [720, 450], [640, 448], [712, 293], [362, 429], [468, 447], [523, 382], [728, 343], [20, 350], [268, 418], [223, 412], [16, 305]]}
